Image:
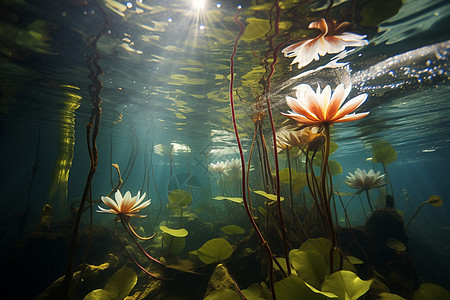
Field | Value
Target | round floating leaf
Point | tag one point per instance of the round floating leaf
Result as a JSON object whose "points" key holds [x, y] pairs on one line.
{"points": [[310, 266], [435, 200], [254, 292], [389, 296], [431, 291], [232, 199], [174, 232], [256, 28], [355, 260], [323, 246], [176, 244], [180, 198], [223, 294], [396, 245], [233, 229], [383, 152], [119, 285], [346, 285], [335, 167], [271, 197], [122, 281], [215, 250], [284, 175], [294, 288], [100, 294]]}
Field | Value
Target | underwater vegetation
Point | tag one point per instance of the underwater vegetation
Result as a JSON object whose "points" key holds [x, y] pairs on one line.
{"points": [[269, 213]]}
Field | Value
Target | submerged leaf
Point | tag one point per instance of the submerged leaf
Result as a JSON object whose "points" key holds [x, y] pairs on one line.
{"points": [[180, 198], [383, 152], [232, 199], [174, 232], [310, 266], [294, 288], [271, 197], [215, 250], [431, 291], [223, 294], [346, 285], [233, 229], [396, 245], [119, 285]]}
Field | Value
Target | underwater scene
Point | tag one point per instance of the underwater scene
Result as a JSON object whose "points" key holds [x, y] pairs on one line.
{"points": [[236, 149]]}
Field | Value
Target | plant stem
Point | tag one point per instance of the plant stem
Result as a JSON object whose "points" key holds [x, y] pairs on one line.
{"points": [[241, 154]]}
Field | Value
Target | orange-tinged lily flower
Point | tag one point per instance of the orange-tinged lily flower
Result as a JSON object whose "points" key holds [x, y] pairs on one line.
{"points": [[333, 39], [126, 205], [321, 107]]}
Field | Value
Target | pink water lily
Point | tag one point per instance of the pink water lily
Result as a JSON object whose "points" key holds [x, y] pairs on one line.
{"points": [[333, 39], [322, 107]]}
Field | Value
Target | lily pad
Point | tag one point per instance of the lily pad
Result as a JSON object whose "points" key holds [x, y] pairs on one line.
{"points": [[223, 294], [180, 198], [215, 250], [335, 167], [310, 266], [233, 229], [119, 285], [176, 244], [174, 232], [346, 285], [232, 199], [271, 197], [431, 291], [396, 245], [383, 152], [294, 288]]}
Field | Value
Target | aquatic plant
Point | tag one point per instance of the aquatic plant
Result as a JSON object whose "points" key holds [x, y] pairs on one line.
{"points": [[365, 181], [434, 200], [312, 278], [214, 250], [118, 286], [323, 109], [384, 153], [333, 39], [125, 207]]}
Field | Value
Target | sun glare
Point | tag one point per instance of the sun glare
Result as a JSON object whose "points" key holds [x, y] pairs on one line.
{"points": [[198, 4]]}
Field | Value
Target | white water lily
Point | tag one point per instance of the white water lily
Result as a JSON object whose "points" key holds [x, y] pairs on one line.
{"points": [[333, 39], [363, 181], [126, 205], [218, 167]]}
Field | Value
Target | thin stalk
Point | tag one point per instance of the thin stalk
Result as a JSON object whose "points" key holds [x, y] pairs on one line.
{"points": [[324, 193], [368, 200], [241, 154], [274, 138]]}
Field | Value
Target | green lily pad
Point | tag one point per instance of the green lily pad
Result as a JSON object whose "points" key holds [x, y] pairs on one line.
{"points": [[223, 294], [233, 229], [335, 167], [294, 288], [119, 285], [346, 285], [271, 197], [431, 291], [180, 198], [232, 199], [310, 266], [323, 246], [174, 232], [215, 250], [396, 245], [383, 152], [176, 244], [389, 296], [256, 28], [355, 260]]}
